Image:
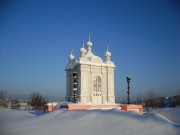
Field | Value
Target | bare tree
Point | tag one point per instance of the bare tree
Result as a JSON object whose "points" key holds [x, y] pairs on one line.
{"points": [[3, 101], [139, 98], [37, 101], [177, 98], [151, 100]]}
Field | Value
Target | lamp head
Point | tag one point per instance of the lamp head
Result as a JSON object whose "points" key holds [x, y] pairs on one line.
{"points": [[128, 78]]}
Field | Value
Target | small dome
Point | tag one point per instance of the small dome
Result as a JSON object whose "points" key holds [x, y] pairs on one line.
{"points": [[107, 53], [89, 43], [71, 57], [83, 50]]}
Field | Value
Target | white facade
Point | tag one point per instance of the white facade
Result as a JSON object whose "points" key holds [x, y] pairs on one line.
{"points": [[95, 77]]}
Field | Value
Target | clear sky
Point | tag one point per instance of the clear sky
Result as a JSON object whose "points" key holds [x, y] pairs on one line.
{"points": [[36, 37]]}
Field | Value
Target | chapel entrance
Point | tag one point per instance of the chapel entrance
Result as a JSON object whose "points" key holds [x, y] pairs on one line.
{"points": [[97, 93]]}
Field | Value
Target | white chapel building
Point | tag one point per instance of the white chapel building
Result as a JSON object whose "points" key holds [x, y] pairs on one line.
{"points": [[95, 77]]}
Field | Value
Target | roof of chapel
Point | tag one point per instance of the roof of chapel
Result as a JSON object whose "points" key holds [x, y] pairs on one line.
{"points": [[88, 58]]}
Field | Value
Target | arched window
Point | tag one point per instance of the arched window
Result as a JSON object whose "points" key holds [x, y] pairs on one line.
{"points": [[97, 86]]}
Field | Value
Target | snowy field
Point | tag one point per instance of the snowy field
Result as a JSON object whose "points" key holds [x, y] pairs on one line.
{"points": [[90, 122]]}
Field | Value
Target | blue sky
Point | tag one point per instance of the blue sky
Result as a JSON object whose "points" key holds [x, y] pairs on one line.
{"points": [[36, 37]]}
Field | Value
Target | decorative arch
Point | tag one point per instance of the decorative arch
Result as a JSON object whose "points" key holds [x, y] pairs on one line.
{"points": [[96, 59]]}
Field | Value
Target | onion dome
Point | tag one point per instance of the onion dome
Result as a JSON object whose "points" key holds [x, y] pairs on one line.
{"points": [[108, 55], [89, 43], [71, 56], [89, 47], [83, 50]]}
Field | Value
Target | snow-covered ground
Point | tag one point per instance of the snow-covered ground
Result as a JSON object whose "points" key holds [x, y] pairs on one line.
{"points": [[173, 114], [90, 122]]}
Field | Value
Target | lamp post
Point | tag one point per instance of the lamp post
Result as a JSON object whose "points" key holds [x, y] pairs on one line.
{"points": [[75, 86], [128, 89]]}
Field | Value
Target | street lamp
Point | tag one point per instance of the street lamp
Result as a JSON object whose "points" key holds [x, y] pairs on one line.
{"points": [[128, 89], [75, 86]]}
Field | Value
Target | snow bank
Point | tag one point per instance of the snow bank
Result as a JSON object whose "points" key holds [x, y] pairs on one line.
{"points": [[173, 114], [86, 122]]}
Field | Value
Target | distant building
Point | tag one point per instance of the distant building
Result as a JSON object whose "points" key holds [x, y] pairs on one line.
{"points": [[169, 102], [95, 77]]}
